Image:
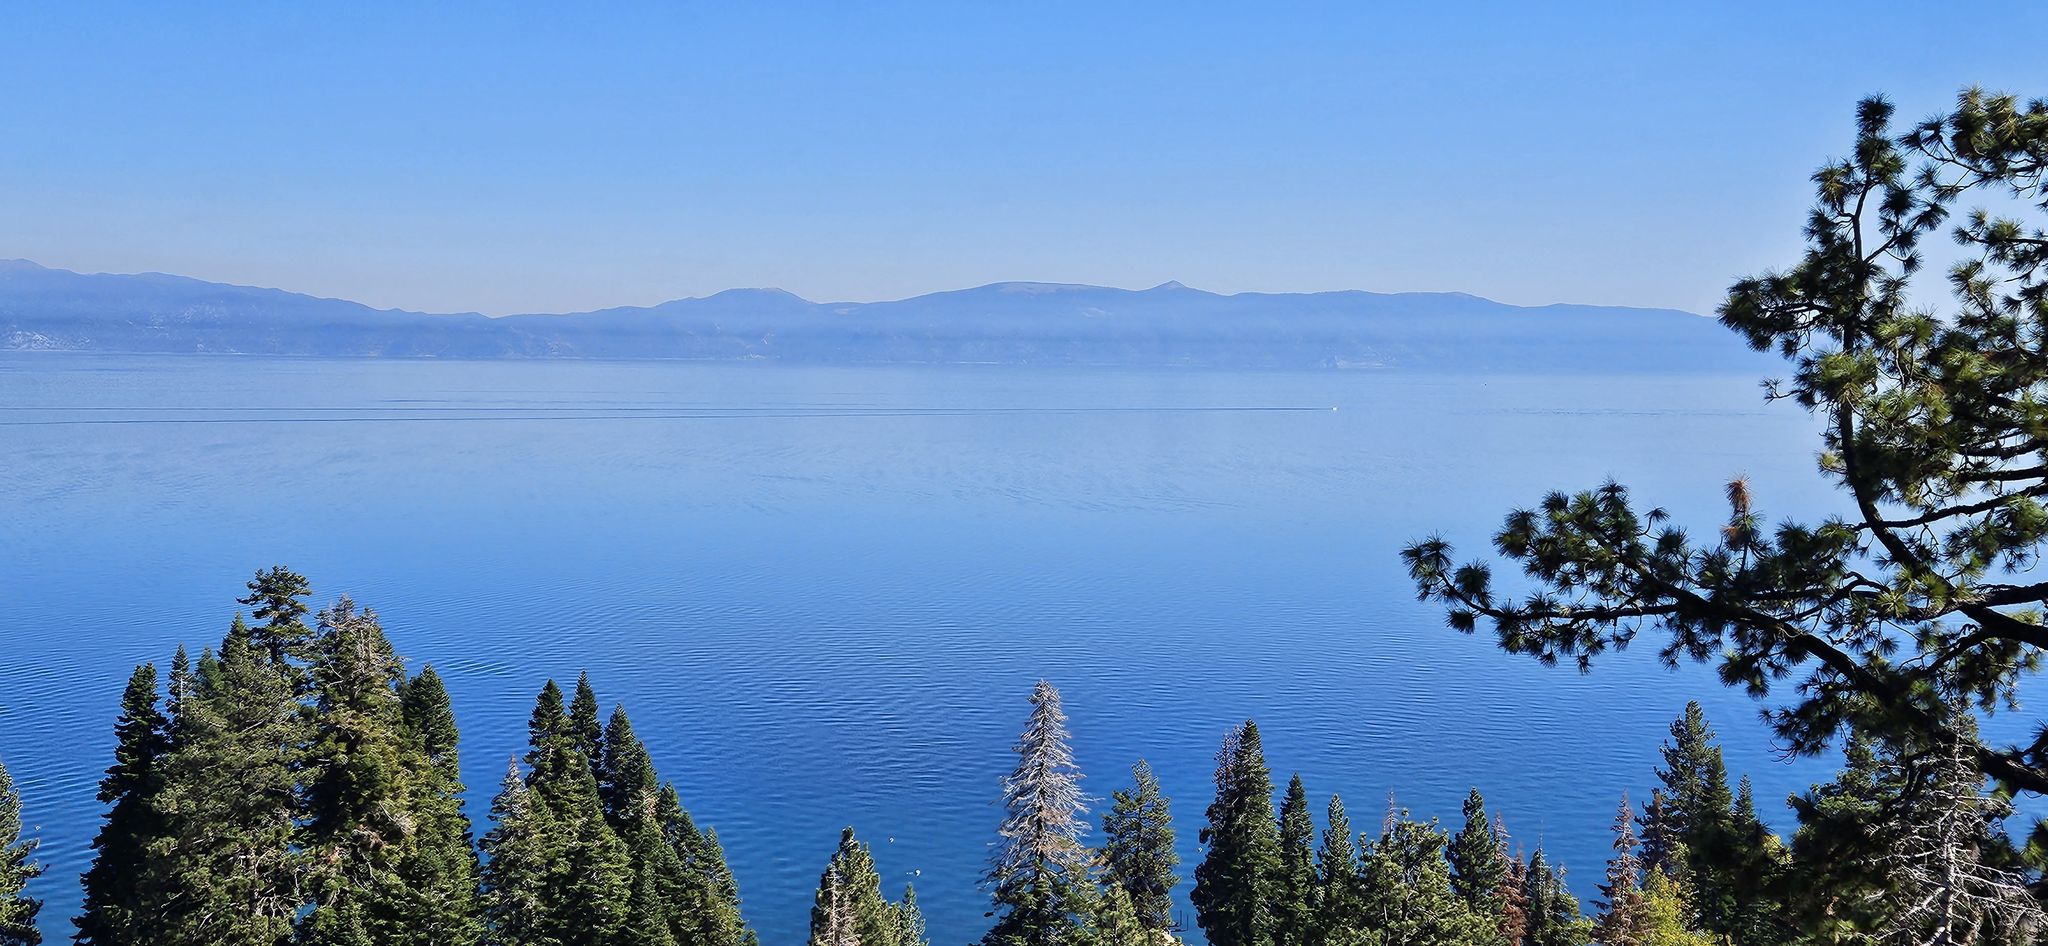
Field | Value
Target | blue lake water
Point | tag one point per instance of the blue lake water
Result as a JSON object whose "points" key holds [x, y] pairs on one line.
{"points": [[823, 594]]}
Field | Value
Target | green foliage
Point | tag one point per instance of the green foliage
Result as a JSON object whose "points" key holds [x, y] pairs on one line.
{"points": [[1622, 919], [118, 903], [1113, 921], [361, 774], [1296, 888], [227, 861], [1407, 890], [585, 730], [1478, 865], [276, 600], [625, 774], [1340, 906], [1903, 619], [1663, 916], [849, 909], [1553, 913], [1733, 866], [17, 867], [1238, 881], [1138, 857], [524, 849], [437, 876]]}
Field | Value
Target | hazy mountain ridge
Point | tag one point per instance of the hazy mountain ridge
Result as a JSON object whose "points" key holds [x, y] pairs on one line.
{"points": [[1007, 323]]}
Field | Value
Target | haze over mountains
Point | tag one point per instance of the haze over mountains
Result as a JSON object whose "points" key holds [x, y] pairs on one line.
{"points": [[1005, 323]]}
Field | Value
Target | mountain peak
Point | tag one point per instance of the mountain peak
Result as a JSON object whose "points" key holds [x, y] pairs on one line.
{"points": [[1168, 285]]}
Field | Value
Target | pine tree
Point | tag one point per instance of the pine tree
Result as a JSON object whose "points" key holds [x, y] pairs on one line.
{"points": [[595, 877], [524, 851], [718, 918], [1137, 852], [1296, 888], [1905, 846], [910, 929], [1407, 889], [118, 905], [1760, 860], [706, 898], [1477, 864], [1340, 907], [228, 862], [363, 778], [1038, 875], [1621, 920], [1554, 916], [1113, 921], [18, 910], [651, 918], [625, 773], [1702, 815], [438, 874], [1662, 849], [276, 600], [590, 879], [849, 909], [1237, 881], [551, 757], [584, 726]]}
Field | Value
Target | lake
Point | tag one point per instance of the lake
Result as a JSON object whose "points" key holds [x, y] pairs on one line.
{"points": [[824, 594]]}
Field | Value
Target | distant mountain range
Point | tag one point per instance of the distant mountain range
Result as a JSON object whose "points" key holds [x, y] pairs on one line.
{"points": [[1006, 323]]}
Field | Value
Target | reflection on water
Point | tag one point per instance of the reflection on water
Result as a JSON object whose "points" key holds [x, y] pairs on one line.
{"points": [[823, 593]]}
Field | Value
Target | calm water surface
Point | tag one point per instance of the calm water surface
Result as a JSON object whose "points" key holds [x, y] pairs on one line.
{"points": [[823, 595]]}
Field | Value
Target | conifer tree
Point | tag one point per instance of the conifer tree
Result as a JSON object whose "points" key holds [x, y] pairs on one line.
{"points": [[551, 757], [1478, 867], [1662, 851], [910, 929], [1554, 916], [706, 898], [1113, 921], [1929, 421], [177, 690], [18, 910], [1340, 906], [625, 773], [276, 601], [1296, 888], [651, 918], [1513, 898], [364, 776], [228, 862], [1038, 875], [585, 728], [1621, 920], [1702, 809], [590, 879], [849, 909], [438, 874], [1137, 853], [524, 851], [718, 921], [117, 906], [1407, 889], [1237, 881]]}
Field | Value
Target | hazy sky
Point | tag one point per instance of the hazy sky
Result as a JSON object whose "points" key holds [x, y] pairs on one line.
{"points": [[461, 158]]}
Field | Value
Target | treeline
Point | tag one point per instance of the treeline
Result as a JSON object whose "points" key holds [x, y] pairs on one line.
{"points": [[295, 785]]}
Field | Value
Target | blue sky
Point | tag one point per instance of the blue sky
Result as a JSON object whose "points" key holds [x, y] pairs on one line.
{"points": [[493, 158]]}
